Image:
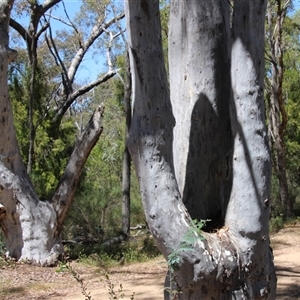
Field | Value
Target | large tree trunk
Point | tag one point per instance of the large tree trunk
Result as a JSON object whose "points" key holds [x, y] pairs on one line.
{"points": [[30, 226], [24, 219], [235, 262], [199, 60], [249, 205]]}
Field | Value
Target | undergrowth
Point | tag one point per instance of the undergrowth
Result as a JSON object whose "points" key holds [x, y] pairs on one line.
{"points": [[278, 222], [66, 267], [127, 252], [114, 294]]}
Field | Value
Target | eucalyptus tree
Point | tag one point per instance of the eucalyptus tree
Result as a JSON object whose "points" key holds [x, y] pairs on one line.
{"points": [[32, 227], [201, 150], [278, 118], [291, 91], [80, 39]]}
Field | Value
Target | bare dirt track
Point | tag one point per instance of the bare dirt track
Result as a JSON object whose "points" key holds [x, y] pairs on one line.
{"points": [[286, 250], [25, 282]]}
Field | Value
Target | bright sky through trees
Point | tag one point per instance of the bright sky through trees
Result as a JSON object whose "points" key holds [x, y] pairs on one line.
{"points": [[93, 65]]}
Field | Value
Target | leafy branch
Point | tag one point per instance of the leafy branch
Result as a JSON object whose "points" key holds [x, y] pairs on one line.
{"points": [[67, 267], [193, 235]]}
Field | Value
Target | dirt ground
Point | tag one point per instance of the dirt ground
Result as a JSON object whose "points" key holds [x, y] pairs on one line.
{"points": [[20, 281]]}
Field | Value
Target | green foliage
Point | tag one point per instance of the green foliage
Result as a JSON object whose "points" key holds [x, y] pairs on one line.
{"points": [[276, 224], [5, 262], [113, 294], [193, 235], [137, 250], [2, 245], [291, 94], [164, 17], [52, 145], [149, 247], [96, 210]]}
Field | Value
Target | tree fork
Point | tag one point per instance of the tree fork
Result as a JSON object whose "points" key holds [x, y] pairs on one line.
{"points": [[65, 191], [236, 262]]}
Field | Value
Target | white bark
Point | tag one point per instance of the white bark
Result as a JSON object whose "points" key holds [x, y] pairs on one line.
{"points": [[21, 211], [31, 227], [150, 136], [248, 209], [199, 63], [97, 30], [234, 263]]}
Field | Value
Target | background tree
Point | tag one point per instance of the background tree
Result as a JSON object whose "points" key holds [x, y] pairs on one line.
{"points": [[235, 262], [291, 93], [32, 227], [276, 14], [82, 36], [96, 212]]}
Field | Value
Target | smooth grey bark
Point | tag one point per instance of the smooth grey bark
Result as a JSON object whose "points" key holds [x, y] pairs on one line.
{"points": [[20, 208], [199, 63], [32, 227], [65, 192], [249, 206], [235, 262]]}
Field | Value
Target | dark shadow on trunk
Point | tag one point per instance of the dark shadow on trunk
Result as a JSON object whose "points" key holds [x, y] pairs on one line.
{"points": [[211, 151]]}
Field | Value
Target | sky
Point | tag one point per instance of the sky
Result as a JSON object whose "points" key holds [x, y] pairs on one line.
{"points": [[91, 67]]}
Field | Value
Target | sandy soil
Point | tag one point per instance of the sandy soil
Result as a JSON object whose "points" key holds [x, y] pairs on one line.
{"points": [[286, 250], [21, 282]]}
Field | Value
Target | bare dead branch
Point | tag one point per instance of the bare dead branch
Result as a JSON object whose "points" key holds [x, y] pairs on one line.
{"points": [[65, 191], [96, 32]]}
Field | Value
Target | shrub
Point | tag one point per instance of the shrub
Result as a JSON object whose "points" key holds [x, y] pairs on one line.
{"points": [[276, 224]]}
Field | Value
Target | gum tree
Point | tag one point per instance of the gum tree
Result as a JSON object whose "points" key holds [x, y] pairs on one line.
{"points": [[32, 227], [201, 150], [278, 116]]}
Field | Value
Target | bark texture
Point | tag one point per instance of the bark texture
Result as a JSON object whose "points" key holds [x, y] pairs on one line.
{"points": [[235, 262], [126, 172], [30, 226], [249, 206], [199, 60], [65, 192]]}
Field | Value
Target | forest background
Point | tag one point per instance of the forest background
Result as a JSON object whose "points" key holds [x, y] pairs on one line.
{"points": [[95, 215]]}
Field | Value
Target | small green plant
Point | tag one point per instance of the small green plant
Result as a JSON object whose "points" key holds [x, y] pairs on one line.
{"points": [[173, 289], [2, 245], [66, 267], [193, 235], [115, 295], [276, 224]]}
